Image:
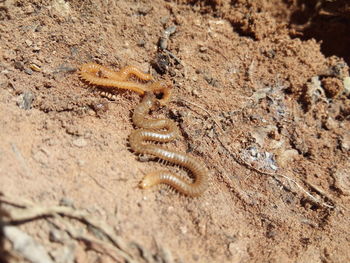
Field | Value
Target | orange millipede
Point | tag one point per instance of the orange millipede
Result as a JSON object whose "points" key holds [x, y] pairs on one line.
{"points": [[164, 130], [99, 75]]}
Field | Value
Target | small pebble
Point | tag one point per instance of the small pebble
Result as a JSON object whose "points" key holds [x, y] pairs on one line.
{"points": [[36, 48], [144, 10], [203, 49], [330, 123], [205, 57], [141, 43], [345, 142], [164, 20], [81, 163], [25, 100], [29, 42], [19, 65], [195, 93], [65, 201], [342, 180], [163, 43], [28, 71], [170, 30], [80, 142], [183, 230], [55, 236]]}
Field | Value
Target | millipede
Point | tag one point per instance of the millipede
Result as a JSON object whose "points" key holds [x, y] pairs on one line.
{"points": [[99, 75], [150, 130], [164, 130]]}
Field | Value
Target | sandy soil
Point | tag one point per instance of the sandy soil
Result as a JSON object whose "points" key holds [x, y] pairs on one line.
{"points": [[257, 99]]}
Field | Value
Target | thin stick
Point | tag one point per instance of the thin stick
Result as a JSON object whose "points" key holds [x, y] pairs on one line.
{"points": [[101, 185]]}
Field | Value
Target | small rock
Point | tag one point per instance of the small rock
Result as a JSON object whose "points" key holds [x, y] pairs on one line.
{"points": [[28, 71], [195, 93], [81, 163], [74, 51], [80, 142], [211, 81], [332, 86], [211, 133], [183, 230], [345, 142], [170, 30], [203, 49], [29, 42], [141, 43], [330, 123], [19, 65], [164, 20], [36, 48], [25, 100], [65, 201], [62, 7], [342, 180], [144, 10], [55, 236], [163, 43], [205, 57], [195, 257], [161, 63]]}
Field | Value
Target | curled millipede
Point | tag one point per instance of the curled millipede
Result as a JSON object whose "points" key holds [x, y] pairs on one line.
{"points": [[164, 130], [99, 75]]}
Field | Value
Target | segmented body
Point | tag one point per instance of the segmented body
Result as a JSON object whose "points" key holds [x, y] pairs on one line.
{"points": [[99, 75], [164, 130]]}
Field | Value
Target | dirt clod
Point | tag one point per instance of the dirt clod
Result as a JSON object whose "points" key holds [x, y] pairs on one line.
{"points": [[332, 86]]}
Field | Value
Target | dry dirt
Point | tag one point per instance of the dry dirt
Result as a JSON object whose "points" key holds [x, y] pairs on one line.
{"points": [[257, 98]]}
